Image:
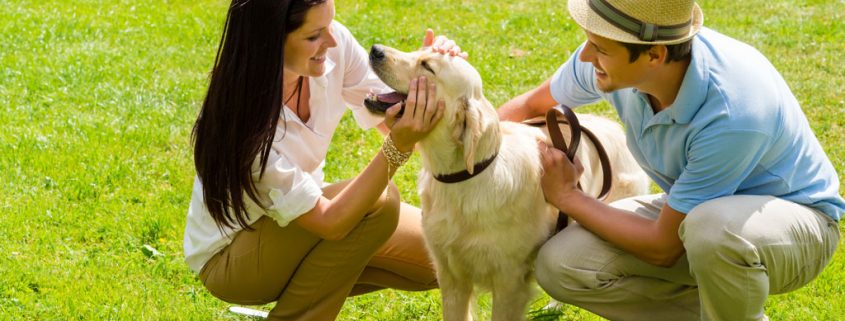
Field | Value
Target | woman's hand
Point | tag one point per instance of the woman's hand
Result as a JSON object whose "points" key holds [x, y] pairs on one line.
{"points": [[560, 176], [442, 44], [422, 112]]}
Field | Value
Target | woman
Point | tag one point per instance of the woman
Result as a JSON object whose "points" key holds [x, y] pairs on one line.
{"points": [[262, 226]]}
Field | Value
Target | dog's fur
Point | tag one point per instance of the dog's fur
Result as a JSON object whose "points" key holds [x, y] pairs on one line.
{"points": [[485, 232]]}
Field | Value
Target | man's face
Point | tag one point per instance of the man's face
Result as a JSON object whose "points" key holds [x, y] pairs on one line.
{"points": [[611, 61]]}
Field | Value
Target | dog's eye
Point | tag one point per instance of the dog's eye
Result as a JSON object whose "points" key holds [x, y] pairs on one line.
{"points": [[425, 65]]}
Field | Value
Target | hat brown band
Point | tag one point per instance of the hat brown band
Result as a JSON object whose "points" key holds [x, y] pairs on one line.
{"points": [[642, 30]]}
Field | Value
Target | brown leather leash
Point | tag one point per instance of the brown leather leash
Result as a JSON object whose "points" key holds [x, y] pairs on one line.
{"points": [[575, 130]]}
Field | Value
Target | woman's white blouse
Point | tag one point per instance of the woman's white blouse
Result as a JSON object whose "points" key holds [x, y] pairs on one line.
{"points": [[291, 182]]}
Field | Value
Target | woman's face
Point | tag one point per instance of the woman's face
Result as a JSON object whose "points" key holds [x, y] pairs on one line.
{"points": [[306, 47]]}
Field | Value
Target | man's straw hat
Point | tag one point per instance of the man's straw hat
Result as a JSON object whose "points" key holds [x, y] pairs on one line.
{"points": [[663, 22]]}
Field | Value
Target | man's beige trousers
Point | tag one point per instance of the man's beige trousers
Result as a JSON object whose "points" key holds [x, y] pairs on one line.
{"points": [[739, 249]]}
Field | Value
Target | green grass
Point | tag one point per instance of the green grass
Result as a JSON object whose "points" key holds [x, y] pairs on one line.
{"points": [[98, 99]]}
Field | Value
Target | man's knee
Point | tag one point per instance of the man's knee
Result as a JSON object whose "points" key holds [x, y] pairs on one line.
{"points": [[708, 231], [562, 267], [549, 271]]}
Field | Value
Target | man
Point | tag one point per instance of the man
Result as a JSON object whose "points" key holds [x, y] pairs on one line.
{"points": [[751, 201]]}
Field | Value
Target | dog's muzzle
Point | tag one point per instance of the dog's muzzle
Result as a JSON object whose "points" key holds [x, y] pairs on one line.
{"points": [[379, 103]]}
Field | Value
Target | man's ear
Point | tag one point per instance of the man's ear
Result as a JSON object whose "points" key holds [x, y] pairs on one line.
{"points": [[467, 129], [658, 54]]}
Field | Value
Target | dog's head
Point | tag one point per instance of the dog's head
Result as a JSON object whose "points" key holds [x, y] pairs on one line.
{"points": [[467, 113]]}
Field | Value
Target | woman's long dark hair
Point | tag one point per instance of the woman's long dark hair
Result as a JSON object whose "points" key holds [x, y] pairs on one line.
{"points": [[243, 104]]}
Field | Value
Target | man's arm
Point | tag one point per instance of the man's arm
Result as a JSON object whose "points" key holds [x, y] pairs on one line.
{"points": [[535, 102], [656, 242]]}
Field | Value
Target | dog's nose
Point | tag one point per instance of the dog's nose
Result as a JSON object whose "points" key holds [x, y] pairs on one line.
{"points": [[376, 53]]}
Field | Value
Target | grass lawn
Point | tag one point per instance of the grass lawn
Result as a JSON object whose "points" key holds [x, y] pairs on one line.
{"points": [[98, 99]]}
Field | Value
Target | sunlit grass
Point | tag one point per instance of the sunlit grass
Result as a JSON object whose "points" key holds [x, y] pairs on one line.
{"points": [[98, 99]]}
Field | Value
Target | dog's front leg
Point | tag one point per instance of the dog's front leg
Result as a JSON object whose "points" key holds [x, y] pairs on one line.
{"points": [[511, 294], [456, 294]]}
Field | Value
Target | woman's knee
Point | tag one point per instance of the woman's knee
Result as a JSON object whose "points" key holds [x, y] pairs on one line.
{"points": [[385, 212]]}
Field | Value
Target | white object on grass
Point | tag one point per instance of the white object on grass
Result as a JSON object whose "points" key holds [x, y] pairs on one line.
{"points": [[248, 312]]}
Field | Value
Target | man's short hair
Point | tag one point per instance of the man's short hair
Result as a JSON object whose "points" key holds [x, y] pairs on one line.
{"points": [[677, 52]]}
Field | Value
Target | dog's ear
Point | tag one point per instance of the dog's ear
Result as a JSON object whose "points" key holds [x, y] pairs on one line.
{"points": [[467, 129]]}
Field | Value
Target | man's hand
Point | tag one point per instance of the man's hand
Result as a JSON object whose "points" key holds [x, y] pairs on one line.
{"points": [[560, 176]]}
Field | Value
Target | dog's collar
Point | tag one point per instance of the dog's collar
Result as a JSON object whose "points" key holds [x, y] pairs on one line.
{"points": [[465, 175]]}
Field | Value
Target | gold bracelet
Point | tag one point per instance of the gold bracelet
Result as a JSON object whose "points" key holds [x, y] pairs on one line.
{"points": [[395, 158]]}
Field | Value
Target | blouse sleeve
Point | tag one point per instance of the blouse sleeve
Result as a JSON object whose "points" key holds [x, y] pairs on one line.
{"points": [[358, 79], [290, 190]]}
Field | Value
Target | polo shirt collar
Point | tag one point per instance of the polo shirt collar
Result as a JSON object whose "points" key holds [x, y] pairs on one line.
{"points": [[693, 91], [691, 94]]}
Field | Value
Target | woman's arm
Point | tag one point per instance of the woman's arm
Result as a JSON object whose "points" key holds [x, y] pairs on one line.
{"points": [[334, 218]]}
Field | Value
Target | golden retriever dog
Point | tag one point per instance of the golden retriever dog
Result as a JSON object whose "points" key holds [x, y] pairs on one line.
{"points": [[484, 232]]}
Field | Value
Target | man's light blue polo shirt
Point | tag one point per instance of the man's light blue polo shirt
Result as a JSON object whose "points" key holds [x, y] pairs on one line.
{"points": [[734, 128]]}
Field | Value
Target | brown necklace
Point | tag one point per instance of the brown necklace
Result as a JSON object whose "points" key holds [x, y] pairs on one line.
{"points": [[298, 92]]}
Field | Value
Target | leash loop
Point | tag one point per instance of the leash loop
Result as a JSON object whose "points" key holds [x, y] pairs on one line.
{"points": [[557, 136], [552, 123]]}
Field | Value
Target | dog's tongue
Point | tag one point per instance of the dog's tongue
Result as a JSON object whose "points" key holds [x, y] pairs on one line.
{"points": [[391, 98], [380, 103]]}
